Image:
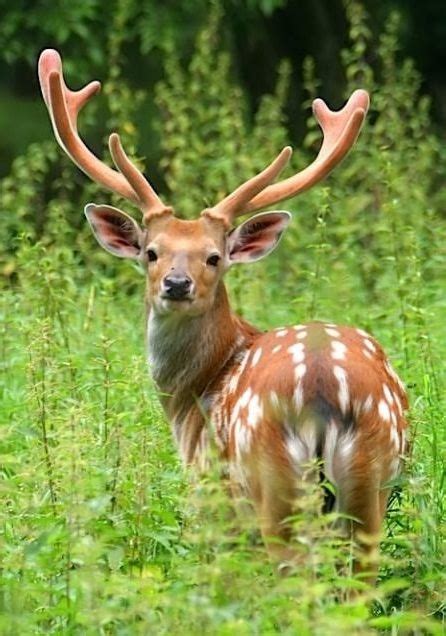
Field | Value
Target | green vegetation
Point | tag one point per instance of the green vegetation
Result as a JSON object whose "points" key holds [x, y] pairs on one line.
{"points": [[102, 530]]}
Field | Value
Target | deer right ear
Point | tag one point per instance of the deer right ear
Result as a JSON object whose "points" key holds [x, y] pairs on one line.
{"points": [[115, 230], [256, 237]]}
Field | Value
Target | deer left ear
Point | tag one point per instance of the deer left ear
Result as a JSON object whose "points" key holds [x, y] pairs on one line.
{"points": [[115, 230], [256, 237]]}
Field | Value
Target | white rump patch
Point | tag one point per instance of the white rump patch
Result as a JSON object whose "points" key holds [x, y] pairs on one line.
{"points": [[301, 445], [384, 411], [338, 350], [334, 333], [297, 352], [256, 357], [343, 393], [338, 450]]}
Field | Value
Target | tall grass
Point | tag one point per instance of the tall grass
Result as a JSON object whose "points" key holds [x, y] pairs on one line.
{"points": [[102, 530]]}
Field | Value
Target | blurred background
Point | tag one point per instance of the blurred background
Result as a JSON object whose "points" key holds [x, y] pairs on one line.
{"points": [[96, 35]]}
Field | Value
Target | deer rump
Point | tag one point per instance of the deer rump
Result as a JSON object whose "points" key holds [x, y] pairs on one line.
{"points": [[313, 402]]}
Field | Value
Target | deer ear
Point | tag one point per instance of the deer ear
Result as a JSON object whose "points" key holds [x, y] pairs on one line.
{"points": [[116, 231], [256, 237]]}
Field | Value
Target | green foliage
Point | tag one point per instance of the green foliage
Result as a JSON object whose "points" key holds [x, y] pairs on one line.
{"points": [[102, 530]]}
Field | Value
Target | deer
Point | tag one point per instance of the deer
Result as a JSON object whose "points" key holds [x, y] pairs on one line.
{"points": [[269, 402]]}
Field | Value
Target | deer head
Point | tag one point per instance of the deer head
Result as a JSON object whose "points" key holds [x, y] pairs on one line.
{"points": [[186, 259]]}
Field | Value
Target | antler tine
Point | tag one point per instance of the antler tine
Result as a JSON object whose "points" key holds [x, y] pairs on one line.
{"points": [[235, 203], [64, 106], [150, 203], [341, 129]]}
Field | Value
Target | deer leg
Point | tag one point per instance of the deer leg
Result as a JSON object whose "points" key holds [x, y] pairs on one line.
{"points": [[366, 504], [273, 511]]}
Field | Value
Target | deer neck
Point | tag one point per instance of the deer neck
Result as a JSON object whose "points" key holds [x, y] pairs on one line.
{"points": [[188, 353]]}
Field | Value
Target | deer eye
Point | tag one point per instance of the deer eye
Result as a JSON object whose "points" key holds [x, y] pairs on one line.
{"points": [[213, 260], [151, 255]]}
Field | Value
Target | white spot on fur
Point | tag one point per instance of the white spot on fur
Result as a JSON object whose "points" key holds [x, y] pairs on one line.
{"points": [[393, 418], [299, 397], [299, 327], [334, 333], [301, 335], [395, 438], [343, 393], [243, 437], [388, 394], [281, 333], [330, 324], [276, 349], [255, 411], [393, 374], [403, 442], [256, 357], [235, 377], [369, 344], [338, 350], [297, 352], [384, 411], [245, 397], [300, 371], [363, 333], [367, 354], [368, 404], [398, 403]]}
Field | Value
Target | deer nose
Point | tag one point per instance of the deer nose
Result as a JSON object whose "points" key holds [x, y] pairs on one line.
{"points": [[177, 287]]}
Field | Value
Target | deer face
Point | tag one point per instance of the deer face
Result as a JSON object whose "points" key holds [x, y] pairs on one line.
{"points": [[185, 260]]}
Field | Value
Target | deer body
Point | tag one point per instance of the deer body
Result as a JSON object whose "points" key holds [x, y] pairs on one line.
{"points": [[273, 403]]}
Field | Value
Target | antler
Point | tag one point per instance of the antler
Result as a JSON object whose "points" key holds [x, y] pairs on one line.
{"points": [[340, 128], [64, 106]]}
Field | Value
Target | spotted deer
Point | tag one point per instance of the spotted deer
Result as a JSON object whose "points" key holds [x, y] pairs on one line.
{"points": [[269, 402]]}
